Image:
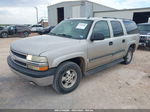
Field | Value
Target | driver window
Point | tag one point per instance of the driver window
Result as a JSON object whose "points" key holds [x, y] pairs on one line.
{"points": [[103, 28]]}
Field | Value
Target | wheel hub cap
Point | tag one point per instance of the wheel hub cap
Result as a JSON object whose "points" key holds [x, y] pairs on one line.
{"points": [[129, 56], [69, 78]]}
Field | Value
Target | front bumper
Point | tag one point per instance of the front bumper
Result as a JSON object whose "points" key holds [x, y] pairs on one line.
{"points": [[40, 78], [144, 40], [145, 44]]}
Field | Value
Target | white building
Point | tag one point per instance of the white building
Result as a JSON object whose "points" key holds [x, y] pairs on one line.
{"points": [[73, 9], [85, 8], [139, 15]]}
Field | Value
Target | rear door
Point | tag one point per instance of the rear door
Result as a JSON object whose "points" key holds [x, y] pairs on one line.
{"points": [[11, 30], [119, 39]]}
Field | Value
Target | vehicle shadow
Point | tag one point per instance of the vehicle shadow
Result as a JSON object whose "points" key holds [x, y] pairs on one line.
{"points": [[143, 48]]}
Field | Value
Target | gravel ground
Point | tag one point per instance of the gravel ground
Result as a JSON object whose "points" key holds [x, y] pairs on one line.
{"points": [[119, 87]]}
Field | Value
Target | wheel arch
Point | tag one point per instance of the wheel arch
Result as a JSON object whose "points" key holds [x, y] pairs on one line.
{"points": [[80, 61], [133, 45]]}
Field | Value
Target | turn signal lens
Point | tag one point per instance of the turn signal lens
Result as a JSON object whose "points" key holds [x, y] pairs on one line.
{"points": [[43, 68], [38, 68]]}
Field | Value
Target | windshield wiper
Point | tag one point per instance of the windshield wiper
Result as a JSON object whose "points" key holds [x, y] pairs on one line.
{"points": [[64, 35], [52, 33]]}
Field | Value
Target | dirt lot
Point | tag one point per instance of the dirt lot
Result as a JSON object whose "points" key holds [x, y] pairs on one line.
{"points": [[122, 86]]}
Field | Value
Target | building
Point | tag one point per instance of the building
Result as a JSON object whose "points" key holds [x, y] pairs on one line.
{"points": [[43, 22], [85, 8], [139, 15], [73, 9]]}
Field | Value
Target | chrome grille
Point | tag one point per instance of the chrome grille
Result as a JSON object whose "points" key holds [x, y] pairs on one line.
{"points": [[143, 38], [20, 55], [18, 58], [20, 63]]}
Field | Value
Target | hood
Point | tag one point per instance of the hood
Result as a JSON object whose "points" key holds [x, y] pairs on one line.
{"points": [[40, 44], [145, 32]]}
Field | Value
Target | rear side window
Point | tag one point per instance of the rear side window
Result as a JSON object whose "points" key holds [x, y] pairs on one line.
{"points": [[103, 28], [117, 28], [130, 26]]}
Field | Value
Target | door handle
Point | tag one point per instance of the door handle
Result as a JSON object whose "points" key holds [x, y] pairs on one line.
{"points": [[110, 43], [123, 41]]}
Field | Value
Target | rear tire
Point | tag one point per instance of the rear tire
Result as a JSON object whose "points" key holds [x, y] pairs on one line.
{"points": [[4, 34], [67, 77], [129, 56]]}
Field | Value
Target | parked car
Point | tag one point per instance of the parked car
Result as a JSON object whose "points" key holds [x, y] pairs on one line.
{"points": [[73, 49], [36, 28], [46, 30], [16, 30], [144, 30]]}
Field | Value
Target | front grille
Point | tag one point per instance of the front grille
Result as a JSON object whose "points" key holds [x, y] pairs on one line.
{"points": [[143, 39], [18, 58], [20, 63], [18, 54]]}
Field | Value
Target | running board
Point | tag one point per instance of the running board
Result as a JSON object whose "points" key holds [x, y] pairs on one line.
{"points": [[103, 67]]}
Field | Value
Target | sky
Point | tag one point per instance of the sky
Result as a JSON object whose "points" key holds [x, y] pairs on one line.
{"points": [[24, 12]]}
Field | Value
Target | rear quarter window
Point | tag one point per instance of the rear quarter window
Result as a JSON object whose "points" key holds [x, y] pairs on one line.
{"points": [[131, 27], [117, 28]]}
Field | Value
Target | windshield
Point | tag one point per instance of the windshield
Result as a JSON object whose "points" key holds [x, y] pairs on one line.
{"points": [[76, 29], [144, 27]]}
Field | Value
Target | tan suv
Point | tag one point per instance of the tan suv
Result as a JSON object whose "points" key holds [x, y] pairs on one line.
{"points": [[72, 50]]}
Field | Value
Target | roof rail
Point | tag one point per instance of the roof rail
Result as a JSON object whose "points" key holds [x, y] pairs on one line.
{"points": [[110, 17], [116, 18]]}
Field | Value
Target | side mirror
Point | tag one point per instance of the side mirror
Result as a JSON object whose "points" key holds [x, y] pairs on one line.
{"points": [[97, 36]]}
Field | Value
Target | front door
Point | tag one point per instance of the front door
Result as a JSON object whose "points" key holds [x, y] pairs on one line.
{"points": [[100, 51]]}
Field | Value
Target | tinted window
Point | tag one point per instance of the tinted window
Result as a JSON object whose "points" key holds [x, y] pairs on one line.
{"points": [[117, 28], [130, 26], [144, 27], [102, 27], [21, 27]]}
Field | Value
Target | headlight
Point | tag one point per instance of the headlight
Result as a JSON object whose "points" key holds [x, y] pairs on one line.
{"points": [[36, 59]]}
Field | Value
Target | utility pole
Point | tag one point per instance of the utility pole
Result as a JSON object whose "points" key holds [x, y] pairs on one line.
{"points": [[36, 14]]}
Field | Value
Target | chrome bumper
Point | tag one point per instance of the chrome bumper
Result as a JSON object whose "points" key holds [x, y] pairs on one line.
{"points": [[44, 78]]}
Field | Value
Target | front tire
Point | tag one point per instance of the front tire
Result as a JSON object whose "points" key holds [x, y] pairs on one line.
{"points": [[4, 34], [129, 56], [67, 77]]}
